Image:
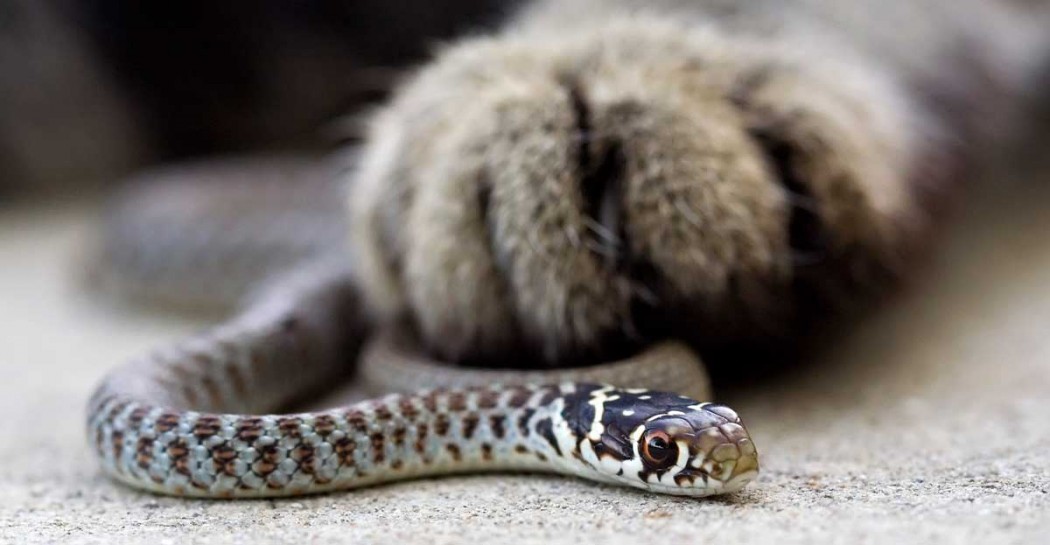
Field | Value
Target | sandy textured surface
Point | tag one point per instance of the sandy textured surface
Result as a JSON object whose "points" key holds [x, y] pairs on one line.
{"points": [[929, 424]]}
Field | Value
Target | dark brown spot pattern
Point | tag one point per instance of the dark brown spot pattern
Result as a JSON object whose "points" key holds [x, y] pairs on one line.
{"points": [[470, 425], [420, 446], [220, 455], [377, 442], [382, 412], [430, 402], [137, 416], [166, 422], [488, 399], [523, 422], [357, 421], [457, 401], [344, 451], [248, 429], [324, 425], [290, 427], [117, 443], [408, 409], [441, 424], [179, 453], [519, 398], [497, 425], [144, 453], [399, 434], [206, 426]]}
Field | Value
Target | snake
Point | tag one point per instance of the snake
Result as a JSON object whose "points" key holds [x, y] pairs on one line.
{"points": [[207, 416]]}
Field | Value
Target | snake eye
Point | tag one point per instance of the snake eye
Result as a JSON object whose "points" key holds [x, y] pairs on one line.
{"points": [[658, 450]]}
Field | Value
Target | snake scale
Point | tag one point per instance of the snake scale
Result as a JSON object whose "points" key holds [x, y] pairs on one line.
{"points": [[197, 418]]}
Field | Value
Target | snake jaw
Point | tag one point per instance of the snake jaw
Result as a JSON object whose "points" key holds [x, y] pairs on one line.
{"points": [[742, 472]]}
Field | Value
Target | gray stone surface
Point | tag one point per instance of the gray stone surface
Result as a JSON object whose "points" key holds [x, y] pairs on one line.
{"points": [[930, 423]]}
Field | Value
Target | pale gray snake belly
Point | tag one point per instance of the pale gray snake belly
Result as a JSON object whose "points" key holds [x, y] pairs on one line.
{"points": [[197, 418]]}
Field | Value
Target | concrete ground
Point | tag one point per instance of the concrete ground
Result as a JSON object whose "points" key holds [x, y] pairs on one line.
{"points": [[931, 423]]}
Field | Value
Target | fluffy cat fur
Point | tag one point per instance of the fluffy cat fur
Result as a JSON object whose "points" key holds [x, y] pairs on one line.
{"points": [[605, 172]]}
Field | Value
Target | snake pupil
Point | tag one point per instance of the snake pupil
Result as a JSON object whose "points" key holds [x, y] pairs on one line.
{"points": [[658, 449]]}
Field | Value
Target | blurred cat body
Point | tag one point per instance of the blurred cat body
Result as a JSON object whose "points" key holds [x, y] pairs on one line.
{"points": [[596, 175], [603, 172]]}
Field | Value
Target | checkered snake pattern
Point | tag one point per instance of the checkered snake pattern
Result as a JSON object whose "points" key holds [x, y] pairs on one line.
{"points": [[199, 418]]}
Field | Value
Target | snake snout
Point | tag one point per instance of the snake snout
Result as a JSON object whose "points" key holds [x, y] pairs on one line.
{"points": [[725, 452]]}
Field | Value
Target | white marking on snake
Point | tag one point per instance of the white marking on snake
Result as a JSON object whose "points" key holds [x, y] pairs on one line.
{"points": [[598, 400]]}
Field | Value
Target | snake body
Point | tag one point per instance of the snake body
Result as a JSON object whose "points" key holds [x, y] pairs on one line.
{"points": [[197, 418]]}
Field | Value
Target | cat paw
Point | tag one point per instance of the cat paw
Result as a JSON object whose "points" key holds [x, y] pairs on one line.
{"points": [[568, 196]]}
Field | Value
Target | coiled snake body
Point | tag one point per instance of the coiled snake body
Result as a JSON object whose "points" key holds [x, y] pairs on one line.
{"points": [[192, 419]]}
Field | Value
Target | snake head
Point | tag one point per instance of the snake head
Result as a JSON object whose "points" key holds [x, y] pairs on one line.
{"points": [[663, 442]]}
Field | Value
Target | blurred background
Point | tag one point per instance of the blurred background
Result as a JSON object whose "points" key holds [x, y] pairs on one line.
{"points": [[90, 90], [926, 424]]}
